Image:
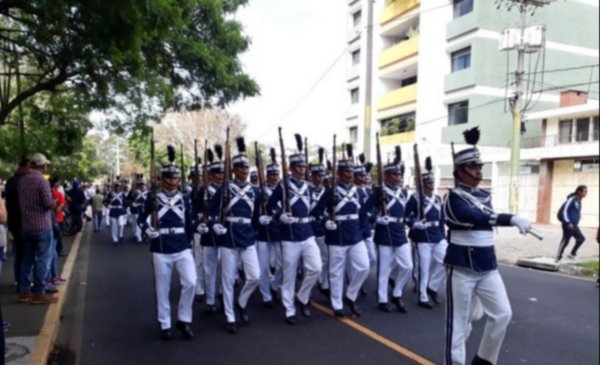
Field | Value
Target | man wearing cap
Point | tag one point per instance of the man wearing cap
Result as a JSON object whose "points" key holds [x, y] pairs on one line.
{"points": [[317, 189], [269, 242], [167, 222], [430, 237], [237, 237], [344, 238], [394, 258], [297, 237], [471, 260], [117, 203], [210, 248], [37, 206]]}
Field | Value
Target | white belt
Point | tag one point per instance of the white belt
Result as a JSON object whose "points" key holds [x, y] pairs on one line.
{"points": [[432, 224], [173, 230], [238, 220], [115, 206], [303, 220], [396, 219], [472, 238], [348, 217]]}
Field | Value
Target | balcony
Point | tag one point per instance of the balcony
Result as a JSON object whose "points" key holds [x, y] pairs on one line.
{"points": [[399, 52], [397, 138], [397, 8], [398, 97]]}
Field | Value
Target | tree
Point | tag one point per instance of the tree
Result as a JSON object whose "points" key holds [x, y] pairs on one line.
{"points": [[133, 58]]}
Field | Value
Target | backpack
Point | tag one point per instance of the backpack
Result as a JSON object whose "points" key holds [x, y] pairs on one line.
{"points": [[561, 210]]}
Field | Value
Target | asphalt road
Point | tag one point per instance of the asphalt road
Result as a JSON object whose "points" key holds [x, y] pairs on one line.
{"points": [[110, 318]]}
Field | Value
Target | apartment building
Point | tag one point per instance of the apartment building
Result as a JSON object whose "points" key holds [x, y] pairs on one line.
{"points": [[437, 70]]}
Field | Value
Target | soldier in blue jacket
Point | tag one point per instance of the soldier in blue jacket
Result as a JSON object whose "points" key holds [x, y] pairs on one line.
{"points": [[361, 172], [117, 204], [297, 237], [394, 259], [189, 189], [570, 215], [137, 206], [236, 237], [208, 240], [344, 238], [269, 241], [430, 237], [471, 260], [170, 238], [317, 189]]}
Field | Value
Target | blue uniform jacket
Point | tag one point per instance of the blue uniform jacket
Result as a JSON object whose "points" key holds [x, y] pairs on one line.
{"points": [[174, 213], [300, 208], [368, 226], [469, 213], [572, 211], [394, 233], [117, 204], [350, 214], [271, 232], [434, 217], [318, 222], [241, 215]]}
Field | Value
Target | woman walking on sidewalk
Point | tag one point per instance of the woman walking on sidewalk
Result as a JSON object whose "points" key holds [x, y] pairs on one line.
{"points": [[570, 215]]}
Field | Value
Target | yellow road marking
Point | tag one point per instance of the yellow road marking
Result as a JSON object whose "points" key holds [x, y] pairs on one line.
{"points": [[49, 331], [377, 337]]}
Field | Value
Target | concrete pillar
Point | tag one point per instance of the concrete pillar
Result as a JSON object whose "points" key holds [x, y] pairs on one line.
{"points": [[544, 204]]}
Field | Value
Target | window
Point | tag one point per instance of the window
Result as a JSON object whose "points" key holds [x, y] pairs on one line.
{"points": [[356, 57], [356, 18], [353, 134], [458, 113], [462, 7], [354, 96], [399, 124], [565, 131], [461, 59], [595, 128], [583, 129], [586, 165], [409, 81]]}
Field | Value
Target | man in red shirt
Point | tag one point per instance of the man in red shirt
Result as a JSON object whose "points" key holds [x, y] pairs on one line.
{"points": [[58, 220]]}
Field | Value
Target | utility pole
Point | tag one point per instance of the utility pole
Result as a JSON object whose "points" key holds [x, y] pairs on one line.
{"points": [[523, 40], [369, 82]]}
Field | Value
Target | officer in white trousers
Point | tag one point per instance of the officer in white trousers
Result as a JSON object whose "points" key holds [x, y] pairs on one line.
{"points": [[297, 237], [429, 235], [471, 261], [317, 189], [117, 205], [137, 206], [167, 222], [235, 229], [194, 191]]}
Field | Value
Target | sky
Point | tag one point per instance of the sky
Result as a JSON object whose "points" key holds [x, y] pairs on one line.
{"points": [[293, 44]]}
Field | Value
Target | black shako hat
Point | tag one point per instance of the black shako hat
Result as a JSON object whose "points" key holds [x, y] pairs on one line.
{"points": [[170, 169]]}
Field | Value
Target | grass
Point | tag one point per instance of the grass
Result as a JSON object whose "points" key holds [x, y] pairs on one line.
{"points": [[592, 266]]}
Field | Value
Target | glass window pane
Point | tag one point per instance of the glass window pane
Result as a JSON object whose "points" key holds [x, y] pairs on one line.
{"points": [[458, 113], [461, 59], [595, 128], [565, 130], [583, 129], [462, 7]]}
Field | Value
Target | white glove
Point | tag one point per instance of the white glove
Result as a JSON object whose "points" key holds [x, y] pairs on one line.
{"points": [[383, 221], [521, 223], [330, 225], [286, 218], [152, 233], [219, 229], [419, 225], [444, 242], [264, 220], [202, 228]]}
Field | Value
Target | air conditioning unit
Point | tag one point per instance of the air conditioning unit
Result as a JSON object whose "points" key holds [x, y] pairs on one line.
{"points": [[509, 39]]}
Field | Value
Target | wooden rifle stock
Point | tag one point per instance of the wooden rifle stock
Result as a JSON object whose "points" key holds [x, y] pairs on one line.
{"points": [[226, 178], [182, 169], [286, 176], [333, 180], [419, 183], [204, 197], [307, 173], [261, 179], [153, 183], [382, 198]]}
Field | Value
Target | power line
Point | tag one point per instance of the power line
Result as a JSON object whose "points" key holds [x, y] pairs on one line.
{"points": [[567, 69]]}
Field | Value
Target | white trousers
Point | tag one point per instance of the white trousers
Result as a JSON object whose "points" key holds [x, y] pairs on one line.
{"points": [[431, 267], [183, 262], [268, 281], [116, 228], [399, 258], [230, 261], [308, 251], [464, 287], [372, 251], [211, 268], [323, 249], [359, 261], [106, 217], [199, 264], [137, 230]]}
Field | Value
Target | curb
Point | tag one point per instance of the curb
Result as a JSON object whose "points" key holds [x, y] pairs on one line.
{"points": [[51, 324]]}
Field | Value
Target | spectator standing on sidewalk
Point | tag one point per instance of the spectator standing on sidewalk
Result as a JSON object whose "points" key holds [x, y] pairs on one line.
{"points": [[37, 206], [97, 201], [14, 216], [570, 214], [60, 214]]}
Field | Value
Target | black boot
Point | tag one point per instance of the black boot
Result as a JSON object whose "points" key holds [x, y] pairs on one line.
{"points": [[399, 305], [231, 327], [166, 334], [353, 306], [304, 309], [185, 329], [384, 307], [479, 361], [434, 296], [243, 312]]}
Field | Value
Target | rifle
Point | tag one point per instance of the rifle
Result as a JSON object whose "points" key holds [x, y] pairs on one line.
{"points": [[285, 173], [261, 179], [307, 173], [382, 198], [196, 177], [419, 183], [204, 197], [153, 186], [226, 178], [333, 180], [182, 169]]}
